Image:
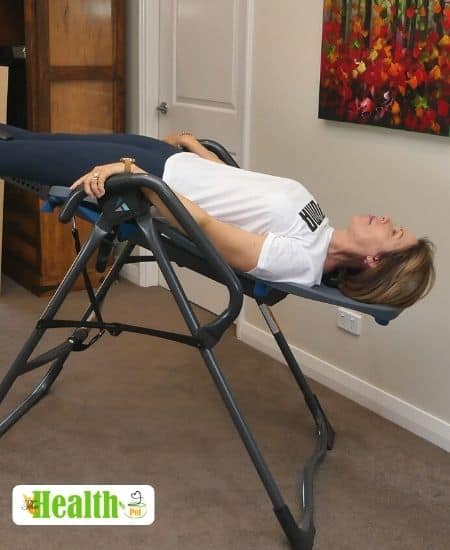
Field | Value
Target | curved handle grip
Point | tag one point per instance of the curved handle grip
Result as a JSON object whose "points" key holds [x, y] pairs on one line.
{"points": [[70, 206], [220, 151]]}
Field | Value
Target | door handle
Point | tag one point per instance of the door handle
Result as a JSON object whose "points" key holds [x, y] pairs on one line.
{"points": [[163, 108]]}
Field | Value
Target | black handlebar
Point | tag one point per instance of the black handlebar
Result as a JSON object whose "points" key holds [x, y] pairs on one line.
{"points": [[220, 151]]}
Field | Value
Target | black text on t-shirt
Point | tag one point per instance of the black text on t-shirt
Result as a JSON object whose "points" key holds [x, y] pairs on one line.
{"points": [[312, 214]]}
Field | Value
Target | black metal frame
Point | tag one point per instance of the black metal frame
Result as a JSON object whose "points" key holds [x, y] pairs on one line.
{"points": [[198, 254]]}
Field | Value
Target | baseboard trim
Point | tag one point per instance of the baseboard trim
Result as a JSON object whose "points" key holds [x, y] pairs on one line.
{"points": [[141, 274], [131, 273], [402, 413]]}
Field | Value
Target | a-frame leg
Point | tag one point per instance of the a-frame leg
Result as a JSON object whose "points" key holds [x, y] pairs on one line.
{"points": [[325, 432], [300, 537], [57, 356]]}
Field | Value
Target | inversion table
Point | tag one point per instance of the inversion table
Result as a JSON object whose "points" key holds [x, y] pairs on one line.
{"points": [[124, 215]]}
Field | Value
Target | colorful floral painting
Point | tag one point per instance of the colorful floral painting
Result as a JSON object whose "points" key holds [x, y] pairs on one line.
{"points": [[386, 63]]}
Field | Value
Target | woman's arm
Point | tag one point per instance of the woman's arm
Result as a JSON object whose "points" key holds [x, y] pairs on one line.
{"points": [[189, 142], [239, 248]]}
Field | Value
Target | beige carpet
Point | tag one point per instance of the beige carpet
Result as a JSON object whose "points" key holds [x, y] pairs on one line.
{"points": [[135, 409]]}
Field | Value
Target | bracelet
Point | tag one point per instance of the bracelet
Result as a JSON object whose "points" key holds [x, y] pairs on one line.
{"points": [[181, 134], [128, 163]]}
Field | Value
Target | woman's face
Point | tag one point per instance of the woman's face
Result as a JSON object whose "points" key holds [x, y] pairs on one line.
{"points": [[377, 235]]}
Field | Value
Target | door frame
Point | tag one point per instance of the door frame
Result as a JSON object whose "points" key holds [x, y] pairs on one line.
{"points": [[148, 92]]}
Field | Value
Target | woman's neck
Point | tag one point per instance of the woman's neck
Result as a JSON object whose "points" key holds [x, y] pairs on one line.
{"points": [[340, 252]]}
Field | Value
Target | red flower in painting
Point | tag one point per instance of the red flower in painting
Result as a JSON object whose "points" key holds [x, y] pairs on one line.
{"points": [[411, 121], [447, 18], [442, 108]]}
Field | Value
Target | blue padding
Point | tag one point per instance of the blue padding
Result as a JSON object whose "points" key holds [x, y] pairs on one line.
{"points": [[260, 290], [47, 207], [50, 204], [126, 230]]}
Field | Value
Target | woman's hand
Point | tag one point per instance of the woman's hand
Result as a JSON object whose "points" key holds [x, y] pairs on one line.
{"points": [[94, 181], [182, 139], [173, 139]]}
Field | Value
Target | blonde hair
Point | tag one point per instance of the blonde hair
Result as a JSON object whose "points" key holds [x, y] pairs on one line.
{"points": [[399, 280]]}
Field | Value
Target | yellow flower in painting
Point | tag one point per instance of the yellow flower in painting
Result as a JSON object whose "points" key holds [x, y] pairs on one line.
{"points": [[395, 108], [328, 4], [396, 120], [361, 67], [373, 55], [419, 112], [378, 44], [444, 42], [434, 53], [436, 73]]}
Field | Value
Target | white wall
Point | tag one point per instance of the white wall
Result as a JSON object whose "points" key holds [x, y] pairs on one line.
{"points": [[353, 169]]}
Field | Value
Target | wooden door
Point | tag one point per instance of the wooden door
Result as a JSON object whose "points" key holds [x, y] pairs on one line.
{"points": [[76, 65], [75, 83]]}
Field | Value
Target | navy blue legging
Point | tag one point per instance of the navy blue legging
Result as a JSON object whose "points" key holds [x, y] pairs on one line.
{"points": [[60, 159]]}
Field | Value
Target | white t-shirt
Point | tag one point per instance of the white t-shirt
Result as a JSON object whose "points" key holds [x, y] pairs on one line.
{"points": [[298, 233]]}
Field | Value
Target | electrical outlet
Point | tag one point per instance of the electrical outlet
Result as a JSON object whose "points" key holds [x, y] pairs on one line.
{"points": [[349, 321]]}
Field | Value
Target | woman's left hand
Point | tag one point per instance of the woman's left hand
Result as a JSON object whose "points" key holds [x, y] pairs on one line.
{"points": [[172, 139], [94, 181]]}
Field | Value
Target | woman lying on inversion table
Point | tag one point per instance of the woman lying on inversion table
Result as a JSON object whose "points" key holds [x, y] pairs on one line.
{"points": [[268, 226]]}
